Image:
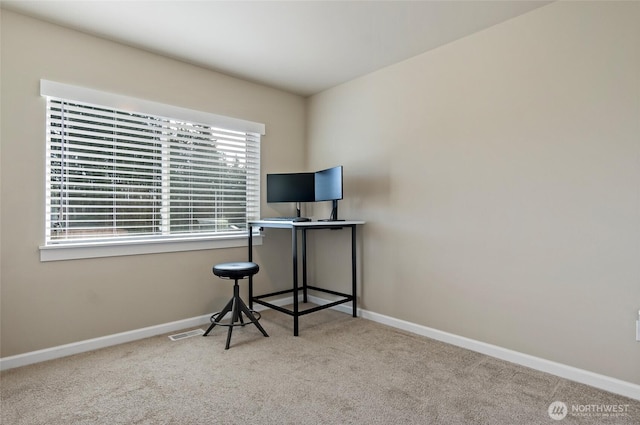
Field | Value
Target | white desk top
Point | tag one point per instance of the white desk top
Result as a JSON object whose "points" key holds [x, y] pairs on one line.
{"points": [[265, 222]]}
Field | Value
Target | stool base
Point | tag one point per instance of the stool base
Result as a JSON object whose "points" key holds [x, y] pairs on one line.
{"points": [[237, 307]]}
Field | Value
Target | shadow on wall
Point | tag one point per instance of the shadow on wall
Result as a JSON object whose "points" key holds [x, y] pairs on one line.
{"points": [[367, 190]]}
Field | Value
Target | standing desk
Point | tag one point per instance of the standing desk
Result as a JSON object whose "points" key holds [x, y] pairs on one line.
{"points": [[303, 226]]}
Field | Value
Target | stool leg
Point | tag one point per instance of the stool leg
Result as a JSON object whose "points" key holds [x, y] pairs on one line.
{"points": [[234, 313], [223, 312], [240, 316], [245, 310]]}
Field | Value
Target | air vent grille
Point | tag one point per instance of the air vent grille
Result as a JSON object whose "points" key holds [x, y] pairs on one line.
{"points": [[183, 335]]}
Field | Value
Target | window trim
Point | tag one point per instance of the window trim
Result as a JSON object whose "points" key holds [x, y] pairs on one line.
{"points": [[116, 248], [110, 248]]}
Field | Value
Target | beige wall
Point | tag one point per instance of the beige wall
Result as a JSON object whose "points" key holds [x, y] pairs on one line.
{"points": [[498, 176], [499, 179], [54, 303]]}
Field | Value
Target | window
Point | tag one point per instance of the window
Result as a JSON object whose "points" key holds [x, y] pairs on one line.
{"points": [[143, 173]]}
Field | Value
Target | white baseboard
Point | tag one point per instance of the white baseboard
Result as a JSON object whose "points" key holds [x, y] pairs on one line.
{"points": [[109, 340], [96, 343], [586, 377], [571, 373]]}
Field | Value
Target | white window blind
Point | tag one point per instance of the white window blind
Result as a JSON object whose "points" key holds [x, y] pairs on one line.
{"points": [[116, 174]]}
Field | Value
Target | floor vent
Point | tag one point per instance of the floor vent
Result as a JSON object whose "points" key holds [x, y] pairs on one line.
{"points": [[183, 335]]}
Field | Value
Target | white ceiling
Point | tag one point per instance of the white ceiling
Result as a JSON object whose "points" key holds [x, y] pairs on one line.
{"points": [[300, 46]]}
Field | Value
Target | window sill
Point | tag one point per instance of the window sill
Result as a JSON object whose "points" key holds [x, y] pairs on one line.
{"points": [[120, 248]]}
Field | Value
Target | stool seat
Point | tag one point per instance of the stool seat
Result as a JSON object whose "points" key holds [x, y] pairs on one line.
{"points": [[236, 270]]}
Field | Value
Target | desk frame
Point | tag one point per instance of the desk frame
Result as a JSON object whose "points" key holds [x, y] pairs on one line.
{"points": [[303, 227]]}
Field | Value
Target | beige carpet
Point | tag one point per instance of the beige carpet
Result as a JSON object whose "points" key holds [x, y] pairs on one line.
{"points": [[340, 370]]}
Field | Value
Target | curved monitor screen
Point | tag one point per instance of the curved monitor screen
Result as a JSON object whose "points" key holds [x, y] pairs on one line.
{"points": [[328, 184]]}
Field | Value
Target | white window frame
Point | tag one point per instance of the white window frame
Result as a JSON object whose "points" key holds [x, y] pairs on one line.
{"points": [[118, 247]]}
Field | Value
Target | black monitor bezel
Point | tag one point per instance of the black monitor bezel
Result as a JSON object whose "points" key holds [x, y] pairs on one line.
{"points": [[303, 182]]}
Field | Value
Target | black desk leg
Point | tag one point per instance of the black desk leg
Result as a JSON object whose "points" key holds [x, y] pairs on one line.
{"points": [[294, 255], [304, 264], [250, 244], [353, 271]]}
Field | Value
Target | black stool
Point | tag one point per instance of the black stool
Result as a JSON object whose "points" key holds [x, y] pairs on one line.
{"points": [[236, 306]]}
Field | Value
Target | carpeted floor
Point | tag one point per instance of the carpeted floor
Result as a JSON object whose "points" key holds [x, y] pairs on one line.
{"points": [[340, 370]]}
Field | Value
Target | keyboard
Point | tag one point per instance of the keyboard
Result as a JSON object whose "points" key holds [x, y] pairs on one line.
{"points": [[287, 219]]}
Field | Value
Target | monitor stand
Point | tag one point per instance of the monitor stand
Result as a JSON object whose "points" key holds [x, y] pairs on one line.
{"points": [[334, 212]]}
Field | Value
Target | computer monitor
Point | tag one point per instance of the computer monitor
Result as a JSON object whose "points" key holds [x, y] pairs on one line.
{"points": [[325, 185], [291, 187], [329, 187]]}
